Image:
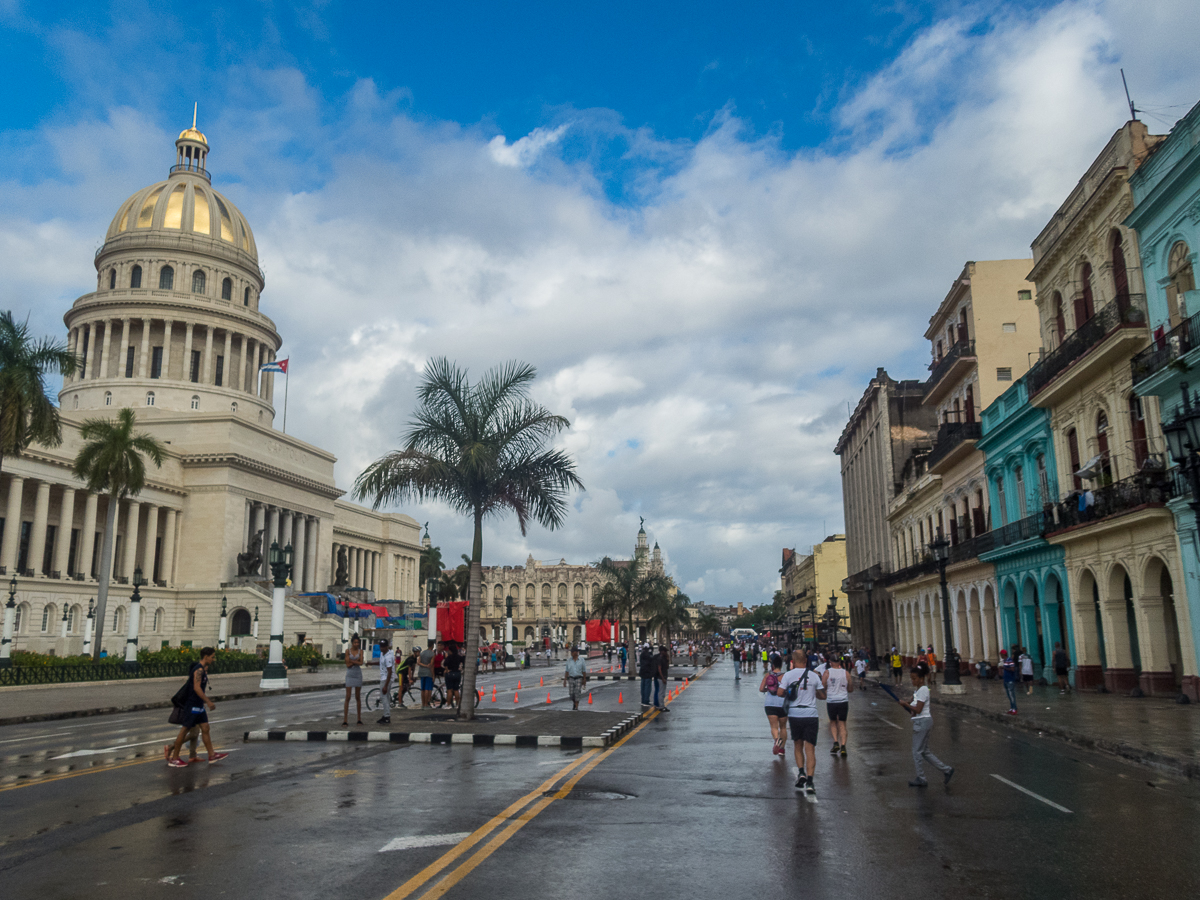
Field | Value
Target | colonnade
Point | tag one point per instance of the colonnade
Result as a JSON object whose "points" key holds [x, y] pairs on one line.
{"points": [[93, 342], [286, 526], [363, 566], [69, 547]]}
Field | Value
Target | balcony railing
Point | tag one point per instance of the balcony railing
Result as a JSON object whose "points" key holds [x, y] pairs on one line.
{"points": [[1123, 311], [1118, 497], [938, 368], [1181, 339], [1022, 530], [972, 547], [926, 566], [949, 436]]}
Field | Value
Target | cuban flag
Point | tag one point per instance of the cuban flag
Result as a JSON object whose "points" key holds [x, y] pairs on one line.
{"points": [[280, 366]]}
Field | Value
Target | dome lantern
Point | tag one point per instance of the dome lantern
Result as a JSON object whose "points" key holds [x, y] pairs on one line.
{"points": [[191, 150]]}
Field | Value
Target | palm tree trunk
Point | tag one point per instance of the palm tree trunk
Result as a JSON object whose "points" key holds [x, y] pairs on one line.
{"points": [[472, 651], [106, 552]]}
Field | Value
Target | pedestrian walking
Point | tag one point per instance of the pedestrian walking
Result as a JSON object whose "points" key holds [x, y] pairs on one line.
{"points": [[425, 673], [837, 702], [622, 656], [196, 706], [860, 669], [354, 661], [801, 688], [1062, 665], [922, 725], [646, 669], [1027, 671], [737, 663], [453, 664], [575, 677], [897, 666], [775, 705], [387, 675], [1008, 669], [931, 661], [662, 665]]}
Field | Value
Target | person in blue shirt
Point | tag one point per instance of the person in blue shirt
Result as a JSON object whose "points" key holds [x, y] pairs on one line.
{"points": [[1008, 668]]}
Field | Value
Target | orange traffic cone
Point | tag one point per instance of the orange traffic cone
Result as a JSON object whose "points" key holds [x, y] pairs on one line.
{"points": [[516, 698], [620, 696], [481, 696], [589, 697], [493, 693], [541, 681], [547, 696]]}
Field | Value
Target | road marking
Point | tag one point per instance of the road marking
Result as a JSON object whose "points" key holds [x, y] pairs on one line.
{"points": [[465, 868], [886, 721], [136, 762], [75, 753], [426, 840], [1031, 793]]}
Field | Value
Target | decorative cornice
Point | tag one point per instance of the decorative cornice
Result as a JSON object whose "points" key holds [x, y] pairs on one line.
{"points": [[246, 464]]}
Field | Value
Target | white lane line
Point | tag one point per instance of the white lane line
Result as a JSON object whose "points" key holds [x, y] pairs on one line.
{"points": [[1031, 793], [886, 721], [75, 753], [426, 840], [34, 737]]}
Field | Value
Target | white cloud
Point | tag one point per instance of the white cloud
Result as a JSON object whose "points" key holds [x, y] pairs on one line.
{"points": [[704, 341]]}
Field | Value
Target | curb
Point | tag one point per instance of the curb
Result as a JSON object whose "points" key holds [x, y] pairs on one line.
{"points": [[159, 704], [636, 677], [446, 737]]}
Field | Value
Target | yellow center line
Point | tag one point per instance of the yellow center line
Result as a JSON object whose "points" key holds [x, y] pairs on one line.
{"points": [[95, 771], [520, 822], [419, 880]]}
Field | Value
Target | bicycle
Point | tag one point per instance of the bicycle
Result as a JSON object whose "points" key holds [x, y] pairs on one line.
{"points": [[374, 698]]}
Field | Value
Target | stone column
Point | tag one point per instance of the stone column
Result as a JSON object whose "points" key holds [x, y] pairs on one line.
{"points": [[166, 356], [168, 553], [187, 352], [272, 533], [12, 525], [314, 531], [227, 367], [72, 342], [151, 539], [131, 537], [270, 379], [258, 522], [90, 365], [285, 534], [299, 558], [37, 538], [66, 519], [142, 369], [105, 351], [246, 363], [123, 351], [1157, 676], [206, 370], [87, 536], [375, 558]]}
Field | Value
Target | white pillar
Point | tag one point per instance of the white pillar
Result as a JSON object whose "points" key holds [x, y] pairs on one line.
{"points": [[227, 363], [187, 352], [275, 675], [105, 351], [151, 540], [37, 538], [223, 629], [260, 524], [87, 536], [131, 537], [123, 350], [12, 524], [142, 370], [168, 554], [345, 632], [166, 354], [88, 624], [270, 377], [66, 519], [10, 615], [90, 365], [314, 531], [63, 629], [285, 533], [300, 568], [131, 633], [206, 372]]}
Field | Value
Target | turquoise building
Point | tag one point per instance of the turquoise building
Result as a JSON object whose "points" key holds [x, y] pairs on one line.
{"points": [[1166, 216], [1031, 577]]}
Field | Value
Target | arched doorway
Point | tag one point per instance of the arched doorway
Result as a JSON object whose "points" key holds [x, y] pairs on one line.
{"points": [[1034, 638], [1164, 655], [1010, 617], [239, 623], [991, 649]]}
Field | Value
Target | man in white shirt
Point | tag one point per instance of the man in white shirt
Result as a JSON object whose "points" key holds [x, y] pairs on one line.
{"points": [[803, 717], [387, 675], [922, 725]]}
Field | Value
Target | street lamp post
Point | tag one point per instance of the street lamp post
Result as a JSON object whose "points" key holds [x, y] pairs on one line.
{"points": [[275, 675], [951, 682], [223, 628], [432, 586], [10, 616], [581, 615], [873, 656], [254, 627], [508, 628], [88, 623], [131, 633]]}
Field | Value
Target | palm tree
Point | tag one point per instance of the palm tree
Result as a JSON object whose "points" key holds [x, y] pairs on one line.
{"points": [[111, 462], [708, 623], [26, 413], [431, 564], [629, 589], [669, 614], [481, 449]]}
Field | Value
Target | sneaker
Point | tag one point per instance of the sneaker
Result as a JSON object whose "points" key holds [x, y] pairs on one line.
{"points": [[843, 750], [216, 757], [800, 781], [177, 764], [384, 720], [949, 774], [921, 783], [808, 787], [1012, 712], [834, 749]]}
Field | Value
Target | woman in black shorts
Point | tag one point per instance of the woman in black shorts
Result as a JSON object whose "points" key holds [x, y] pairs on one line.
{"points": [[775, 705], [837, 702], [453, 666]]}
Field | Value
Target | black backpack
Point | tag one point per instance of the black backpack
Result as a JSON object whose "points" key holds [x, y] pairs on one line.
{"points": [[793, 690]]}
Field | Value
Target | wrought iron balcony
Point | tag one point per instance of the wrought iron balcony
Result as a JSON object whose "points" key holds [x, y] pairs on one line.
{"points": [[938, 369], [1022, 529], [1122, 312], [925, 566], [1164, 350], [951, 435], [1121, 496]]}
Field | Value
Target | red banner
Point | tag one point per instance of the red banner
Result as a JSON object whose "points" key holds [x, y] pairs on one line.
{"points": [[599, 630], [451, 620]]}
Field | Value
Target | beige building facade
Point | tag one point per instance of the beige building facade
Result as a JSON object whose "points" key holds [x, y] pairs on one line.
{"points": [[816, 578], [175, 331]]}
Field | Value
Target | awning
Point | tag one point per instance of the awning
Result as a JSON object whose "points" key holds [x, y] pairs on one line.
{"points": [[1091, 469]]}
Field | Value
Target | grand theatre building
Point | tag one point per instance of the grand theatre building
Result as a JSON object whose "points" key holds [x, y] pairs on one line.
{"points": [[177, 330]]}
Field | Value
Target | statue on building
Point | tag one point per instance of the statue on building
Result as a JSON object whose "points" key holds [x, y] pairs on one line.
{"points": [[341, 577], [250, 562]]}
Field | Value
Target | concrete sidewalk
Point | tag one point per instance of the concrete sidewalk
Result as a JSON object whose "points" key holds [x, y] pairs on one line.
{"points": [[46, 702], [1152, 731]]}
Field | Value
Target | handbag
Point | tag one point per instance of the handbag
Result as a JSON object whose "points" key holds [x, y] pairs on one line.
{"points": [[176, 717]]}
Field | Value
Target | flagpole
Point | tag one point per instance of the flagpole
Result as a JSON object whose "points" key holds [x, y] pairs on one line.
{"points": [[286, 379]]}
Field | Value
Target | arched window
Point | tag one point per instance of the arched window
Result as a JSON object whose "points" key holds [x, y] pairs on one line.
{"points": [[112, 279], [1120, 274], [166, 278], [1060, 319], [75, 400], [47, 612], [21, 618], [529, 592], [970, 403], [1179, 268], [1043, 479], [135, 277], [198, 280], [562, 592], [71, 617], [246, 297], [1106, 471], [1137, 427], [233, 406], [1019, 477], [227, 289], [1073, 457], [1085, 306], [150, 398], [195, 402], [240, 623], [108, 398], [158, 620]]}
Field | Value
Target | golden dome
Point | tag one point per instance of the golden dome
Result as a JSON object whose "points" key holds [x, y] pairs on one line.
{"points": [[191, 134]]}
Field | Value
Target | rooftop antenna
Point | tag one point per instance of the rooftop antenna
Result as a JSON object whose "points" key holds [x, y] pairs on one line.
{"points": [[1132, 109]]}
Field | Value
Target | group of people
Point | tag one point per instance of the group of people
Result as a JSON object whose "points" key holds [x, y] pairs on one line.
{"points": [[436, 661]]}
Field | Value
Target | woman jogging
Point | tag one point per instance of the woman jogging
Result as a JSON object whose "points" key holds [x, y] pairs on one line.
{"points": [[837, 702], [922, 722], [776, 706], [354, 661]]}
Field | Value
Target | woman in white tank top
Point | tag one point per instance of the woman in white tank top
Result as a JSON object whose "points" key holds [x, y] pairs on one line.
{"points": [[837, 702]]}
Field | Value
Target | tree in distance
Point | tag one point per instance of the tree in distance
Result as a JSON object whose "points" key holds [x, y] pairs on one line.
{"points": [[110, 462], [630, 589], [482, 449], [27, 414]]}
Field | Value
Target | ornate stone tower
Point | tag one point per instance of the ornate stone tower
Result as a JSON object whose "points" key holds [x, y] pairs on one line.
{"points": [[174, 324]]}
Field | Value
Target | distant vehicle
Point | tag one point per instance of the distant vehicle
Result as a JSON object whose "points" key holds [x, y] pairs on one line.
{"points": [[744, 634]]}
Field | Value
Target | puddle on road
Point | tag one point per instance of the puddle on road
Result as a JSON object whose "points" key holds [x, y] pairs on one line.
{"points": [[595, 795]]}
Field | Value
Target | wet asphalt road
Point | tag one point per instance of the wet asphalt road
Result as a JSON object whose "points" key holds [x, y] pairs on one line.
{"points": [[691, 805]]}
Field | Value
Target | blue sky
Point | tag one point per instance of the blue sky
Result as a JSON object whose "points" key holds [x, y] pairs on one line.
{"points": [[705, 224]]}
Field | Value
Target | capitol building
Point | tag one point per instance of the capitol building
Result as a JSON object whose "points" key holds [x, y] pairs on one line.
{"points": [[177, 329]]}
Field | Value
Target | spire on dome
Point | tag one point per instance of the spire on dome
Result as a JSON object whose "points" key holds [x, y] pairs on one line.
{"points": [[191, 149]]}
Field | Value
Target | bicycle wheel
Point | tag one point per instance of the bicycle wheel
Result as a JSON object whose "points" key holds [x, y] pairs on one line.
{"points": [[372, 700], [438, 698]]}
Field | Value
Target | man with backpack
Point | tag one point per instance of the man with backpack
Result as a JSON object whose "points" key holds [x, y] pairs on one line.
{"points": [[802, 688], [193, 700], [646, 669]]}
